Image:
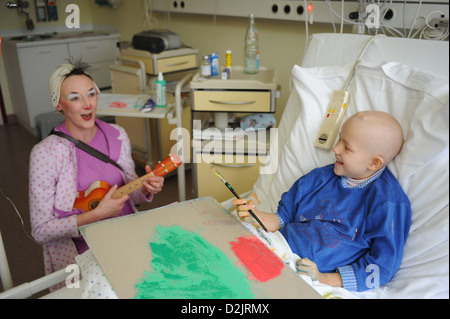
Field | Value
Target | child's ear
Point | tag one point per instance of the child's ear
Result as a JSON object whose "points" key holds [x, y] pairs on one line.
{"points": [[377, 163]]}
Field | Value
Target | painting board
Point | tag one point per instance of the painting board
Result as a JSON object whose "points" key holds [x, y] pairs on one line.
{"points": [[121, 246]]}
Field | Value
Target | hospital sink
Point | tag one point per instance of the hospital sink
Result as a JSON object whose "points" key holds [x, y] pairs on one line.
{"points": [[82, 34], [33, 37]]}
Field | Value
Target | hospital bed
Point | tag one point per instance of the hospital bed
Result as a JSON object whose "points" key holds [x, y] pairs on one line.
{"points": [[409, 79], [405, 77]]}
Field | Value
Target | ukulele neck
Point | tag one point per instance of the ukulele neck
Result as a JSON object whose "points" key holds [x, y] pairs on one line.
{"points": [[130, 187]]}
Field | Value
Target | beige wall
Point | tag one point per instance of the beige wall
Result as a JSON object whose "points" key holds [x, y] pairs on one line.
{"points": [[11, 19], [281, 42], [12, 22]]}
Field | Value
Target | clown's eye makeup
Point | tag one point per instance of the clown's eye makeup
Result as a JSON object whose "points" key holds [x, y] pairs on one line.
{"points": [[74, 97], [92, 92]]}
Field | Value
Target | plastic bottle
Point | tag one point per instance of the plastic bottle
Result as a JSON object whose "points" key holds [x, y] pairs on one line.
{"points": [[205, 69], [160, 91], [226, 73], [214, 60], [251, 48], [228, 59]]}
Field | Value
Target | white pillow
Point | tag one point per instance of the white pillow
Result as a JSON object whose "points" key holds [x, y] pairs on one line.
{"points": [[418, 100]]}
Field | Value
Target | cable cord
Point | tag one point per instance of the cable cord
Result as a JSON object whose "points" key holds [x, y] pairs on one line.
{"points": [[20, 217], [431, 33], [415, 18], [355, 65], [299, 63], [148, 21]]}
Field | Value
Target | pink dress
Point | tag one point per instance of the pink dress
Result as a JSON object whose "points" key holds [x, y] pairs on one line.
{"points": [[54, 180]]}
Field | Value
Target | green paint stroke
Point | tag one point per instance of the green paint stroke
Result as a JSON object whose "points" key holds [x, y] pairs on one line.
{"points": [[185, 265]]}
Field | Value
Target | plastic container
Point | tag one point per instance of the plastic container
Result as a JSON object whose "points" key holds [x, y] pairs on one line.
{"points": [[205, 68], [251, 48], [228, 59], [214, 59], [161, 91]]}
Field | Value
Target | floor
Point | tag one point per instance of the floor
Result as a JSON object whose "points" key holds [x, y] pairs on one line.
{"points": [[24, 256]]}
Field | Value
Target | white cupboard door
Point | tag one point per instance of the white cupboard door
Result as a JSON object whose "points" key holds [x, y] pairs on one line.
{"points": [[36, 66]]}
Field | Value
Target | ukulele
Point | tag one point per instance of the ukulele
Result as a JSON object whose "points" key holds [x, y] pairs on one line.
{"points": [[88, 199]]}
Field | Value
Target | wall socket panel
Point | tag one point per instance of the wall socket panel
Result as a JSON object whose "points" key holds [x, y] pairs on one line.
{"points": [[294, 10], [439, 23]]}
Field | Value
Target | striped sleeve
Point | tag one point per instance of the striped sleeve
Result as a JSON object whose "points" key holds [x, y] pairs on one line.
{"points": [[348, 277]]}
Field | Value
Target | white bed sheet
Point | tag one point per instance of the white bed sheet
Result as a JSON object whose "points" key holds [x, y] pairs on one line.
{"points": [[418, 98]]}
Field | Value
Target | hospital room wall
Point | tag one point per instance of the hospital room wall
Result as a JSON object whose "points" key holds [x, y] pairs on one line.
{"points": [[281, 42], [12, 23]]}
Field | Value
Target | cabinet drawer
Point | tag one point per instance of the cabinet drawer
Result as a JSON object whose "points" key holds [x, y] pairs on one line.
{"points": [[93, 51], [167, 65], [232, 101], [242, 174], [178, 63]]}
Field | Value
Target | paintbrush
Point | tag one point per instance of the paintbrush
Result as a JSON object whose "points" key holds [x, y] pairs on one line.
{"points": [[216, 171]]}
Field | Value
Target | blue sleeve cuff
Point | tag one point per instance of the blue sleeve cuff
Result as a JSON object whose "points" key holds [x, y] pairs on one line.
{"points": [[280, 220], [348, 278]]}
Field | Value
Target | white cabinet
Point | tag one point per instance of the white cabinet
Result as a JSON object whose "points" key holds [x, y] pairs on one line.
{"points": [[32, 96], [100, 55], [30, 65]]}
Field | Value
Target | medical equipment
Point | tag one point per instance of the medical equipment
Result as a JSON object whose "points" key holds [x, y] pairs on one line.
{"points": [[336, 110], [41, 14], [393, 16], [156, 41]]}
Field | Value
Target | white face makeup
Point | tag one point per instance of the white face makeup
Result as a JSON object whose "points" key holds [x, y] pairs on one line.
{"points": [[78, 101], [76, 96]]}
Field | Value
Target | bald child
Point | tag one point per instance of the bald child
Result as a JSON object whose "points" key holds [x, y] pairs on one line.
{"points": [[348, 221]]}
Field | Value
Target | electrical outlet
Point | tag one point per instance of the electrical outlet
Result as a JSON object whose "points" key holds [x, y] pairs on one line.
{"points": [[439, 23]]}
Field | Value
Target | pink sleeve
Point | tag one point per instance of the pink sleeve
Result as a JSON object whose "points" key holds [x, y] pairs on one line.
{"points": [[47, 187]]}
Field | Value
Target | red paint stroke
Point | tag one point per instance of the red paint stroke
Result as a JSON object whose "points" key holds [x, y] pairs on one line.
{"points": [[258, 259], [118, 105]]}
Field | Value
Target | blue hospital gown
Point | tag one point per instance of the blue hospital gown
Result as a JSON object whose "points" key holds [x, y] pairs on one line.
{"points": [[351, 230]]}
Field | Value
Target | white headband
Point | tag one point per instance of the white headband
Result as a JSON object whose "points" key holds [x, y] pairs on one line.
{"points": [[57, 78]]}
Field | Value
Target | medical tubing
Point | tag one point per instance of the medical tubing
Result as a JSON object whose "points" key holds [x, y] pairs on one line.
{"points": [[415, 19], [352, 72]]}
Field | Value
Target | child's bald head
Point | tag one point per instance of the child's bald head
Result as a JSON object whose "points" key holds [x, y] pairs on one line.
{"points": [[383, 133]]}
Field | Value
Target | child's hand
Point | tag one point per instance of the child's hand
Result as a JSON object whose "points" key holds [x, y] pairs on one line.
{"points": [[269, 220], [243, 208], [308, 267]]}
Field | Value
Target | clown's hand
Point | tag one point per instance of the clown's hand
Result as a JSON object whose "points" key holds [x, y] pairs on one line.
{"points": [[307, 267]]}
